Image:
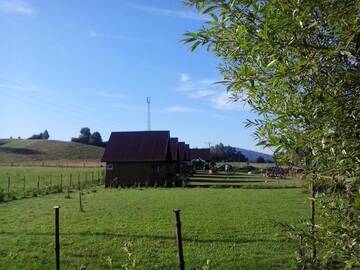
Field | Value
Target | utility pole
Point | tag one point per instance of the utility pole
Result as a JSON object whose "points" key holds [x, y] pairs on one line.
{"points": [[148, 101]]}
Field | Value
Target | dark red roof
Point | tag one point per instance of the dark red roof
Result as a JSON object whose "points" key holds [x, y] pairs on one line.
{"points": [[203, 153], [174, 148], [137, 146], [181, 151], [187, 152]]}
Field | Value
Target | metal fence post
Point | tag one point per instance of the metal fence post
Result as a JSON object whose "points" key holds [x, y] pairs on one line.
{"points": [[57, 238], [179, 240]]}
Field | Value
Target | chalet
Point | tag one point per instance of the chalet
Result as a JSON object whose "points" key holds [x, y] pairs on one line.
{"points": [[138, 158], [200, 153]]}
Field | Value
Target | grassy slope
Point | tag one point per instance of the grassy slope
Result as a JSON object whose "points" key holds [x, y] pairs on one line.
{"points": [[40, 150], [234, 228]]}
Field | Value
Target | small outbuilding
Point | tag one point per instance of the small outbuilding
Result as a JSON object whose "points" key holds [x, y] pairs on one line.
{"points": [[139, 158]]}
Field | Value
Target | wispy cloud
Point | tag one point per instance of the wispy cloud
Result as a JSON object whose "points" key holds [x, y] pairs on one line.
{"points": [[94, 34], [17, 7], [128, 107], [170, 12], [179, 109], [106, 94], [208, 90]]}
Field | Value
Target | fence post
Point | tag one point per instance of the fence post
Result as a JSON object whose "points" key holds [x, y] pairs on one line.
{"points": [[8, 187], [92, 178], [50, 177], [79, 187], [24, 186], [61, 182], [80, 202], [38, 184], [57, 238], [70, 180], [179, 239]]}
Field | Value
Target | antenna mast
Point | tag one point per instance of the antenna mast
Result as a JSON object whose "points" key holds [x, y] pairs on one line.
{"points": [[148, 101]]}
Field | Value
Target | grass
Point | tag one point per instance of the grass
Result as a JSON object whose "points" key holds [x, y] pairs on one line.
{"points": [[32, 151], [203, 179], [48, 176], [233, 228]]}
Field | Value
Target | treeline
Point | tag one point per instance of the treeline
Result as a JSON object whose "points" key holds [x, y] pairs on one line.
{"points": [[86, 137], [220, 152], [42, 136]]}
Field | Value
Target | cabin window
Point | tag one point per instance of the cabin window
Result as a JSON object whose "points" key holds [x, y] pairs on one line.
{"points": [[109, 167]]}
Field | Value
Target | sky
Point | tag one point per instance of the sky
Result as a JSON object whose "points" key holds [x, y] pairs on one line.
{"points": [[67, 64]]}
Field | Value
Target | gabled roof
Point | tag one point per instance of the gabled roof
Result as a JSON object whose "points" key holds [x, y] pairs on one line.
{"points": [[137, 146], [181, 151], [187, 152], [202, 153], [174, 148]]}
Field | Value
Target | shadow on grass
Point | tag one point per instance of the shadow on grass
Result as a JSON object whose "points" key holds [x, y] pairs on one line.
{"points": [[150, 237], [19, 151]]}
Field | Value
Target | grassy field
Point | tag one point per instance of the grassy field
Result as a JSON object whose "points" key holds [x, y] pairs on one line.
{"points": [[233, 228], [37, 151], [48, 177], [243, 180]]}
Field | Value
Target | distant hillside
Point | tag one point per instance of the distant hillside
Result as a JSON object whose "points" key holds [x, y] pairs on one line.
{"points": [[46, 150], [253, 155]]}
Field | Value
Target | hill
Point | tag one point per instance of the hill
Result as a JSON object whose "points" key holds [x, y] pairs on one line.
{"points": [[253, 155], [19, 151]]}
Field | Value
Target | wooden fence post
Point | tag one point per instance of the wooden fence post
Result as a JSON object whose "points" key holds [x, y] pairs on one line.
{"points": [[80, 202], [8, 187], [61, 182], [57, 238], [70, 180], [24, 188], [179, 240], [79, 187], [38, 184], [92, 177]]}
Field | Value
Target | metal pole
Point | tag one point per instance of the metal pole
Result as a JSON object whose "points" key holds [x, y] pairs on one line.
{"points": [[57, 238], [313, 221], [179, 240]]}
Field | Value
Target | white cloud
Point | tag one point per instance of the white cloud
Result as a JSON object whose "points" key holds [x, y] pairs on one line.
{"points": [[208, 90], [184, 77], [18, 7], [95, 34], [128, 107], [106, 94], [170, 13], [179, 109]]}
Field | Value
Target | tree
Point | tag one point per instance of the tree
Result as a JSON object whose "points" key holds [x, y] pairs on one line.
{"points": [[95, 139], [260, 159], [86, 137], [219, 152], [297, 65], [45, 135], [42, 136]]}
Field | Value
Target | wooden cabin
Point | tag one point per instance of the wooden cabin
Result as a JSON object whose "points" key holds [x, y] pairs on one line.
{"points": [[200, 153], [139, 158]]}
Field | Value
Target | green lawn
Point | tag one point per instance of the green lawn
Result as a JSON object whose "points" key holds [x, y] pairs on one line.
{"points": [[233, 228], [47, 176], [203, 179]]}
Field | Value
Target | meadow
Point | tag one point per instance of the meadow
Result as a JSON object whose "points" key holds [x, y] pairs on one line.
{"points": [[24, 180], [232, 228]]}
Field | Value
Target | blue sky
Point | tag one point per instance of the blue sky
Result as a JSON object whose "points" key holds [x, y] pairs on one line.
{"points": [[75, 63]]}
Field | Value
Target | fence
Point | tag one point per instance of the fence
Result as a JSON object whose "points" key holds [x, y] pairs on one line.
{"points": [[18, 187]]}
